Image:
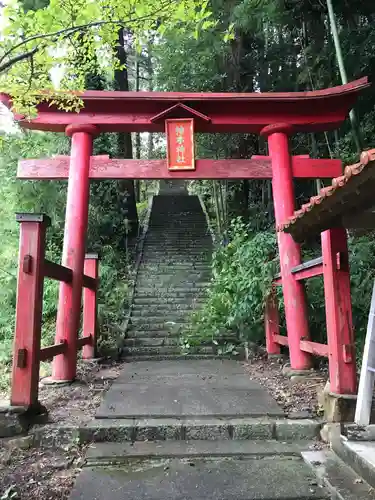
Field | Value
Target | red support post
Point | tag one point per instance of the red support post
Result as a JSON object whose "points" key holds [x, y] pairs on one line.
{"points": [[76, 221], [342, 362], [25, 373], [289, 250], [90, 326], [272, 323]]}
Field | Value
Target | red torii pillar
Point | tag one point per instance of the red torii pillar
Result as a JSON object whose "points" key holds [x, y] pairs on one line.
{"points": [[76, 221], [289, 250]]}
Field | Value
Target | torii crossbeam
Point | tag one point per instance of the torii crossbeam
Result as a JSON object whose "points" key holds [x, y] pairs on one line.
{"points": [[102, 167]]}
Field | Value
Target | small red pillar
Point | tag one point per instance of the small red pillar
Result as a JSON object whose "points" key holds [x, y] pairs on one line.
{"points": [[272, 322], [29, 306], [289, 250], [90, 313], [76, 221], [342, 362]]}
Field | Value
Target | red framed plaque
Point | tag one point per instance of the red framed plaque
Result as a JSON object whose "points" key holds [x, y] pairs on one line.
{"points": [[180, 143]]}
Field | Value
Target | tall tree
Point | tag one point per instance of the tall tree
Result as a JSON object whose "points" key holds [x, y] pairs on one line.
{"points": [[124, 139]]}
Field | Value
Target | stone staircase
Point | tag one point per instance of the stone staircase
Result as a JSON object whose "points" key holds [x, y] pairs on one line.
{"points": [[172, 278], [194, 430]]}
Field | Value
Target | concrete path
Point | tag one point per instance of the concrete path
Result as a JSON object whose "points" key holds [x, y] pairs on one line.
{"points": [[183, 388], [214, 463]]}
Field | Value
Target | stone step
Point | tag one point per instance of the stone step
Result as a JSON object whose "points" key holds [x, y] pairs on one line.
{"points": [[188, 270], [163, 350], [175, 357], [176, 262], [187, 255], [198, 245], [169, 261], [154, 341], [146, 292], [222, 478], [178, 291], [163, 309], [196, 285], [178, 239], [163, 315], [190, 300], [159, 316], [193, 429], [187, 266], [156, 324], [154, 297], [193, 242], [192, 225], [176, 252], [359, 455], [155, 280], [164, 232], [154, 301], [196, 275], [178, 215], [165, 339], [161, 287], [198, 229], [167, 236], [182, 255], [134, 334], [168, 317], [340, 480], [120, 453]]}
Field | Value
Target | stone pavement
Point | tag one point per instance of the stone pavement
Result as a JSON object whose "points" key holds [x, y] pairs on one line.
{"points": [[195, 430], [186, 389]]}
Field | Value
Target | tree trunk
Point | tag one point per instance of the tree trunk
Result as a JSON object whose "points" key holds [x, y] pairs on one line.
{"points": [[124, 141], [150, 71], [342, 69], [137, 135]]}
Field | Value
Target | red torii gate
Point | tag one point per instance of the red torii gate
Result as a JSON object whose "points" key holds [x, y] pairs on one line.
{"points": [[273, 115]]}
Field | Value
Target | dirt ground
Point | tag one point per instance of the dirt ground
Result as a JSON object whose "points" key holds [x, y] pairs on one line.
{"points": [[293, 397], [49, 474]]}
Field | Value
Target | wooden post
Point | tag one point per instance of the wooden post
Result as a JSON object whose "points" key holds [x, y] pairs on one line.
{"points": [[272, 323], [76, 219], [90, 306], [366, 381], [29, 306], [342, 362], [289, 250]]}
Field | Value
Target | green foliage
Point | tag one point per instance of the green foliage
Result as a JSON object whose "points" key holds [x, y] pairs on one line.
{"points": [[362, 273], [242, 274], [39, 40]]}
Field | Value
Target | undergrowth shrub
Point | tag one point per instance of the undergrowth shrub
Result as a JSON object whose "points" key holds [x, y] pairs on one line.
{"points": [[242, 272]]}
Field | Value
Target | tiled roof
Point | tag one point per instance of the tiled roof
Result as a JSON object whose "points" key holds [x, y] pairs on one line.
{"points": [[349, 193]]}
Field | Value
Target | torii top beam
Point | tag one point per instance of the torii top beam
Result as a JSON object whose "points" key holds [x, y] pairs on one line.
{"points": [[213, 112]]}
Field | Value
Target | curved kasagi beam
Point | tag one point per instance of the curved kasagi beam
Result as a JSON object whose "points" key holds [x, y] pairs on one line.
{"points": [[115, 111]]}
